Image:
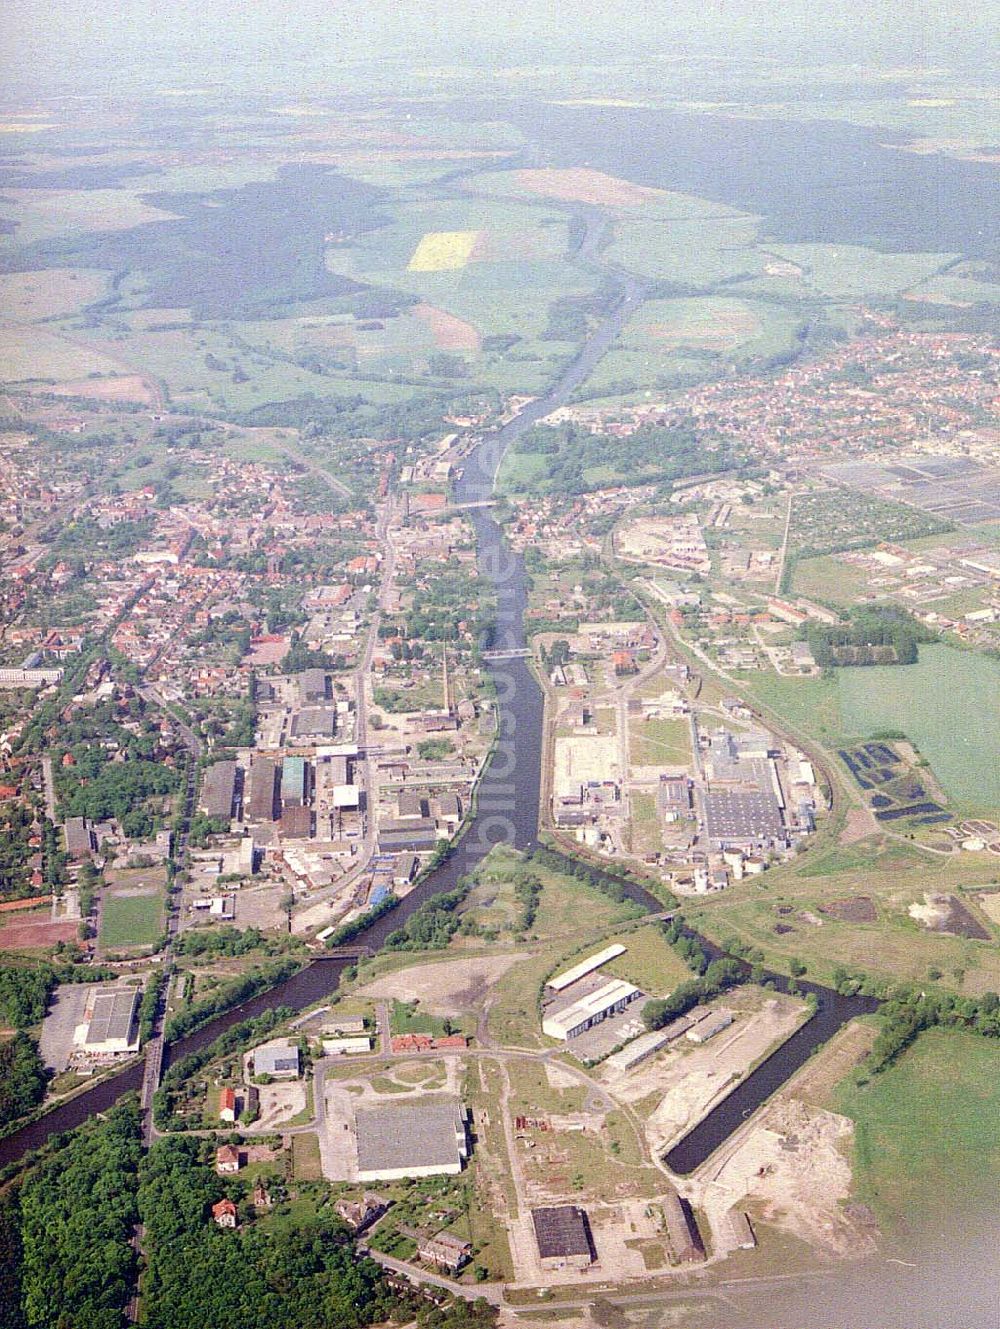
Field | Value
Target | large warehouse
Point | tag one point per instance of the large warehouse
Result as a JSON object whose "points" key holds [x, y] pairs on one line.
{"points": [[411, 1140], [562, 1233], [112, 1028], [586, 1011]]}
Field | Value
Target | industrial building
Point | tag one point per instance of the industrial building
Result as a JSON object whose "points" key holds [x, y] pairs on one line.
{"points": [[394, 836], [585, 967], [636, 1052], [412, 1140], [562, 1232], [312, 686], [742, 1232], [218, 790], [742, 818], [294, 776], [347, 1045], [315, 723], [80, 839], [262, 790], [709, 1025], [113, 1028], [590, 1009], [279, 1059], [682, 1228]]}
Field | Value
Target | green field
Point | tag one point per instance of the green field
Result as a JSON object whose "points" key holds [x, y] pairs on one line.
{"points": [[660, 741], [948, 704], [809, 705], [926, 1143], [672, 341], [848, 272], [131, 920], [696, 251], [648, 962]]}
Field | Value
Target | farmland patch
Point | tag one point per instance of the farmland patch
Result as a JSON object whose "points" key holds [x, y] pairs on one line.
{"points": [[443, 251]]}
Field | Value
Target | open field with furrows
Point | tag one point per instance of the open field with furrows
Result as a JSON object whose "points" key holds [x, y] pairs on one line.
{"points": [[440, 251], [850, 272], [27, 297], [940, 1101], [42, 354]]}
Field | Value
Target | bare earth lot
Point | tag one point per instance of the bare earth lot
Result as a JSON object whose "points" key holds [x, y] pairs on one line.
{"points": [[42, 932], [446, 987]]}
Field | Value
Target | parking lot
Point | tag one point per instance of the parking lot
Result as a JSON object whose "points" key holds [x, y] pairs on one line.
{"points": [[66, 1012]]}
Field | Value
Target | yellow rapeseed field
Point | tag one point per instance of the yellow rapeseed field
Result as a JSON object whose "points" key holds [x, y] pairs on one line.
{"points": [[439, 251]]}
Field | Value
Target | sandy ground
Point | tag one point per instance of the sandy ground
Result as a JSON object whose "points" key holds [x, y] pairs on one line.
{"points": [[65, 1013], [48, 293], [445, 987], [279, 1102], [125, 387], [691, 1079], [858, 824], [22, 936], [792, 1170], [990, 905]]}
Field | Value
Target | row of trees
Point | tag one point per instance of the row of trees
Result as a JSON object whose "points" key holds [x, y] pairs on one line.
{"points": [[907, 1010], [877, 634], [226, 996]]}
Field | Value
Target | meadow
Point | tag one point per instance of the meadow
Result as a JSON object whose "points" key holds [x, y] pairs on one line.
{"points": [[28, 297], [940, 1101], [949, 705], [130, 920], [851, 272], [45, 355], [681, 340]]}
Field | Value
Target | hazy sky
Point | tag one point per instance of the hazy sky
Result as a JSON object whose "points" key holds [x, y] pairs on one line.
{"points": [[50, 34]]}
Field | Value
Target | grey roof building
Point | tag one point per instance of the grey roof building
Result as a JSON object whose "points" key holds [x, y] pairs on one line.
{"points": [[218, 789], [314, 722], [113, 1027], [411, 1140], [278, 1058]]}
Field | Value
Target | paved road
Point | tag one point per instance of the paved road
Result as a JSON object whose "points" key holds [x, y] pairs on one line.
{"points": [[50, 789]]}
